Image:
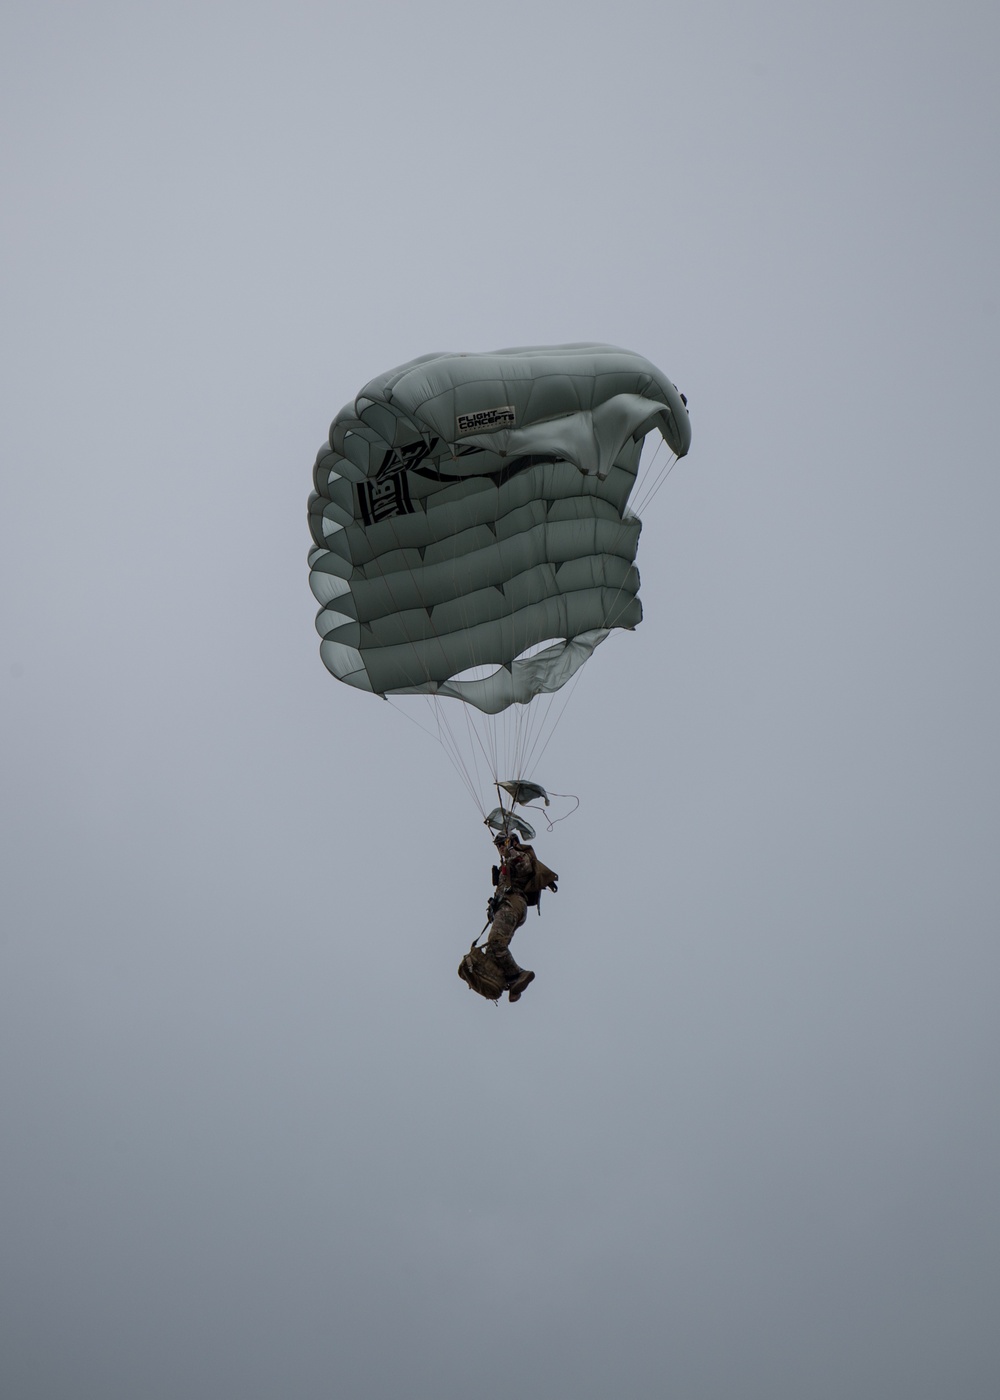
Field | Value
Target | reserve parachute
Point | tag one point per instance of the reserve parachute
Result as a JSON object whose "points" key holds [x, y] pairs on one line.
{"points": [[473, 538]]}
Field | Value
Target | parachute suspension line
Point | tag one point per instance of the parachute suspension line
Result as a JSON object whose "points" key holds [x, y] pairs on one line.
{"points": [[564, 697], [652, 490], [480, 743], [476, 735], [534, 724], [645, 490], [651, 487], [446, 740], [503, 810], [646, 471], [453, 748]]}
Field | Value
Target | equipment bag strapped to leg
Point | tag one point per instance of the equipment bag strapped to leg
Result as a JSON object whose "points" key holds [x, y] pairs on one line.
{"points": [[479, 972]]}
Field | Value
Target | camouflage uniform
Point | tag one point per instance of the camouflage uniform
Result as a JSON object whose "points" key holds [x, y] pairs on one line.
{"points": [[509, 913], [520, 881]]}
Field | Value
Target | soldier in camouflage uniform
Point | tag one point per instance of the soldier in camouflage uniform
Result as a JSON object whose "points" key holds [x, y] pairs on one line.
{"points": [[519, 882]]}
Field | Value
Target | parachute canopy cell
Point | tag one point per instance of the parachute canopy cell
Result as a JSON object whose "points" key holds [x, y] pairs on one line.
{"points": [[470, 520]]}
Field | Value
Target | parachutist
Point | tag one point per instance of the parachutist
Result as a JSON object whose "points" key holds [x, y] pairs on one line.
{"points": [[474, 544], [520, 880]]}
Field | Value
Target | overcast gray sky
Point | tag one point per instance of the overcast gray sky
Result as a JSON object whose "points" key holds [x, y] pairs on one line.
{"points": [[741, 1136]]}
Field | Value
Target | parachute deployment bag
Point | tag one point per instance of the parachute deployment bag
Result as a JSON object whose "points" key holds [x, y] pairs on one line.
{"points": [[478, 970]]}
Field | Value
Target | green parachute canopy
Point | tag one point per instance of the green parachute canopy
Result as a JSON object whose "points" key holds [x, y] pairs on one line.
{"points": [[472, 534]]}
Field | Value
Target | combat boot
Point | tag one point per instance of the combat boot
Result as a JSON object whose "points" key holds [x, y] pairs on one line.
{"points": [[520, 983]]}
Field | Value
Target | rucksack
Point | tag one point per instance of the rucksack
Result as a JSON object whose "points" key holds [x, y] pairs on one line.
{"points": [[479, 972]]}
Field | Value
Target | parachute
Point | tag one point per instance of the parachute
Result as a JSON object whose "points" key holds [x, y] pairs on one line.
{"points": [[473, 540]]}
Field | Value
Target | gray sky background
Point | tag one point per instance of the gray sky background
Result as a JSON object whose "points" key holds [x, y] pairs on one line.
{"points": [[741, 1137]]}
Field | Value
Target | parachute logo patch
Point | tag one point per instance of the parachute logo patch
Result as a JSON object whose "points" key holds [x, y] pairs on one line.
{"points": [[487, 419], [401, 459], [379, 500]]}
